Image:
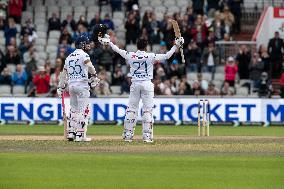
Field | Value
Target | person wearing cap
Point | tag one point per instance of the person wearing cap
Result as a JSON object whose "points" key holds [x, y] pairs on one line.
{"points": [[231, 70], [256, 68], [41, 81]]}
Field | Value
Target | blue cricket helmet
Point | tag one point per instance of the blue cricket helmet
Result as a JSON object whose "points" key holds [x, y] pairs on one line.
{"points": [[81, 42]]}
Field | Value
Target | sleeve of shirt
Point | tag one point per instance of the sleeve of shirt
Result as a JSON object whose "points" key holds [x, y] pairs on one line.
{"points": [[86, 57], [166, 56], [122, 53]]}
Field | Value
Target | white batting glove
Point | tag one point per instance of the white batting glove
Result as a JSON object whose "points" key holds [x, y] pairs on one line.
{"points": [[60, 92], [94, 81], [104, 40], [179, 42]]}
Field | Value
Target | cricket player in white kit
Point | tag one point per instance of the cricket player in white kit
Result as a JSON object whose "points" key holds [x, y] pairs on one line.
{"points": [[75, 76], [141, 70]]}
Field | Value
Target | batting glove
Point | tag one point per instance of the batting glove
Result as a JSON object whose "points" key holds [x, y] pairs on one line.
{"points": [[94, 81], [104, 40], [179, 42], [60, 92]]}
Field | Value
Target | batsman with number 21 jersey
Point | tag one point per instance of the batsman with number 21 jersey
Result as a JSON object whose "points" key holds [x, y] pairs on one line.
{"points": [[141, 70]]}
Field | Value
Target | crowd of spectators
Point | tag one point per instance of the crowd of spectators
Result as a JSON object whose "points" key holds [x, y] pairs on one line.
{"points": [[201, 28]]}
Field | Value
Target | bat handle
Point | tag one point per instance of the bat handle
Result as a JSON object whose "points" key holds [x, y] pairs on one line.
{"points": [[182, 55]]}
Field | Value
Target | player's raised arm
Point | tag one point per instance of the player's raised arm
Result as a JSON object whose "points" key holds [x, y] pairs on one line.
{"points": [[106, 41], [178, 42]]}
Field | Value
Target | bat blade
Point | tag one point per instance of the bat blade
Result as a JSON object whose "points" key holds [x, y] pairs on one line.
{"points": [[64, 116], [177, 35]]}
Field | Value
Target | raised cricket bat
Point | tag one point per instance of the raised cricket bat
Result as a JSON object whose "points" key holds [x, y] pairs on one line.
{"points": [[64, 116], [177, 35]]}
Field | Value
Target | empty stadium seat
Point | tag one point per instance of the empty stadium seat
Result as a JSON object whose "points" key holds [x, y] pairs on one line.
{"points": [[76, 3], [219, 76], [242, 91], [132, 48], [89, 3], [37, 2], [54, 34], [51, 48], [52, 41], [11, 67], [207, 76], [18, 90], [115, 89], [191, 76], [40, 41], [63, 3], [5, 90]]}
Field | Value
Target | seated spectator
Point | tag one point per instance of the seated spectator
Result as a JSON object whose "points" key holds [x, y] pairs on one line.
{"points": [[19, 77], [255, 70], [210, 56], [105, 58], [103, 87], [2, 21], [112, 36], [144, 35], [203, 83], [12, 56], [125, 86], [264, 86], [82, 20], [160, 72], [29, 29], [5, 77], [118, 76], [228, 18], [54, 80], [108, 22], [65, 35], [69, 23], [30, 60], [15, 9], [10, 30], [196, 89], [231, 70], [199, 31], [282, 85], [192, 56], [165, 88], [25, 44], [81, 30], [41, 81], [96, 20], [218, 26], [263, 54], [175, 69], [227, 90], [212, 90], [184, 89], [67, 47], [174, 82], [2, 61], [54, 23], [132, 28]]}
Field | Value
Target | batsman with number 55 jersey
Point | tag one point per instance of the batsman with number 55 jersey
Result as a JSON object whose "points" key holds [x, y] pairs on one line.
{"points": [[141, 70]]}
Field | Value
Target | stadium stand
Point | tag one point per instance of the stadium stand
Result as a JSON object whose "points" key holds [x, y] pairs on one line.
{"points": [[201, 23]]}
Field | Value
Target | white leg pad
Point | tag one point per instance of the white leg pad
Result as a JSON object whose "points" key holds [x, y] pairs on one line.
{"points": [[147, 126], [129, 123]]}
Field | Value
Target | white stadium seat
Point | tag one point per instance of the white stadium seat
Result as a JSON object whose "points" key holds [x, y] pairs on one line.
{"points": [[54, 34], [115, 89], [18, 90], [5, 90]]}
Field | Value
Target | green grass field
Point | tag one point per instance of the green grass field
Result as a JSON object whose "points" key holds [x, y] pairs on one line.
{"points": [[231, 158]]}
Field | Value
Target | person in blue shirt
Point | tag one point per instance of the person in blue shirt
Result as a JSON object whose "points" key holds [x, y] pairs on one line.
{"points": [[19, 77]]}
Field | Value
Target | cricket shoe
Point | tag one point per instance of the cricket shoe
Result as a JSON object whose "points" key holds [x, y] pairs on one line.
{"points": [[127, 136], [70, 136], [147, 138], [82, 139]]}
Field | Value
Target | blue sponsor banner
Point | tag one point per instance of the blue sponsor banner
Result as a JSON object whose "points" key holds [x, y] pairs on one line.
{"points": [[166, 109]]}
